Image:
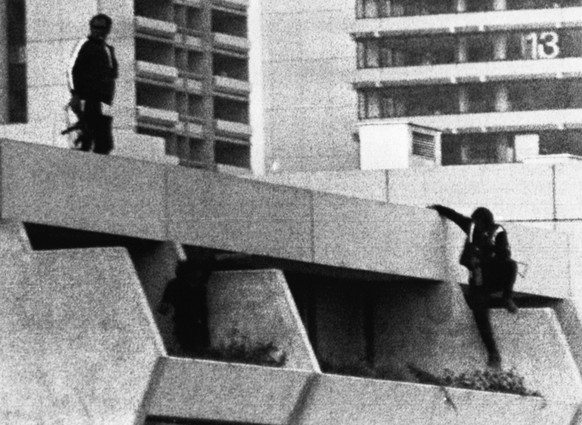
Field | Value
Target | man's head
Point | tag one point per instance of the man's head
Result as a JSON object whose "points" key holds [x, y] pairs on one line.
{"points": [[483, 217], [100, 26]]}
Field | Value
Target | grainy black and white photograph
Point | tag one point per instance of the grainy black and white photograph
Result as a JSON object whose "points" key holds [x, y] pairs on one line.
{"points": [[305, 212]]}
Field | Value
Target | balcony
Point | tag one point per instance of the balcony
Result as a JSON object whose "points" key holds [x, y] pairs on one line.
{"points": [[161, 117], [231, 85], [189, 129], [231, 42], [156, 71], [190, 3], [469, 22], [465, 72], [188, 40], [189, 85], [155, 27], [231, 4], [233, 128], [500, 121]]}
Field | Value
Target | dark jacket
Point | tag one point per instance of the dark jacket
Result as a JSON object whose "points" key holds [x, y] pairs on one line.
{"points": [[490, 245], [93, 71]]}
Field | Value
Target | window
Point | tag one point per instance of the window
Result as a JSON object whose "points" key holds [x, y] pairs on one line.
{"points": [[17, 91]]}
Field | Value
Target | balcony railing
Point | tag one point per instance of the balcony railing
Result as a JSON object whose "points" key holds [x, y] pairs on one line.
{"points": [[469, 22], [189, 85], [231, 42], [233, 127], [188, 40], [156, 71], [155, 27], [482, 71], [231, 84], [238, 4], [157, 116], [189, 129], [373, 9], [191, 3], [500, 121]]}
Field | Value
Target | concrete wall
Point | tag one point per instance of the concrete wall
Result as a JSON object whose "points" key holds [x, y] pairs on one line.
{"points": [[366, 184], [239, 215], [201, 208], [258, 306], [354, 401], [78, 341], [377, 236], [309, 105], [521, 196], [90, 192], [218, 391], [127, 143], [432, 328]]}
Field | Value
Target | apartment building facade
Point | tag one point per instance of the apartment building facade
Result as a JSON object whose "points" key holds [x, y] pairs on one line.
{"points": [[183, 71], [192, 78], [500, 78]]}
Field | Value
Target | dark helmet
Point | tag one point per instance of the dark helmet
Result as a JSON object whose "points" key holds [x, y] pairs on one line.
{"points": [[483, 215]]}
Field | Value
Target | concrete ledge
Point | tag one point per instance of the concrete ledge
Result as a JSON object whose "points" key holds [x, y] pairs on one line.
{"points": [[569, 314], [228, 392], [230, 213], [115, 195], [79, 343], [533, 343], [259, 306], [356, 184], [376, 236], [355, 401], [79, 190]]}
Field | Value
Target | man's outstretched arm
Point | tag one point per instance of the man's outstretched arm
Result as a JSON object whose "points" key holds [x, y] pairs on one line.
{"points": [[460, 220]]}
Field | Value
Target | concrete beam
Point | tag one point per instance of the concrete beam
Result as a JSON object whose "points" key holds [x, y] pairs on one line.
{"points": [[115, 195], [228, 392], [79, 342], [258, 306]]}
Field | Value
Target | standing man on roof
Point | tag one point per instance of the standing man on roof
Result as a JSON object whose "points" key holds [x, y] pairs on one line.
{"points": [[91, 79]]}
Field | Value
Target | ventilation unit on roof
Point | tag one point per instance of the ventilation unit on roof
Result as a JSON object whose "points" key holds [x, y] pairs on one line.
{"points": [[389, 145]]}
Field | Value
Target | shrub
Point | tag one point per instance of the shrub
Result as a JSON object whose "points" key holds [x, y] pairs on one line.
{"points": [[242, 351], [504, 381]]}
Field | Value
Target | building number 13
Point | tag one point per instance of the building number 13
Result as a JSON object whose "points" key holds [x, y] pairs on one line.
{"points": [[542, 45]]}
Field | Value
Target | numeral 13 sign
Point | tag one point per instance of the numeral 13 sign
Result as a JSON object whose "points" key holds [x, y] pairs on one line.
{"points": [[543, 45]]}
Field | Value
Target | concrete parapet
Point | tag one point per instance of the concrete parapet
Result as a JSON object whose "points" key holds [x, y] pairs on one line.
{"points": [[357, 184], [568, 201], [532, 342], [235, 214], [201, 208], [569, 314], [127, 143], [90, 192], [511, 191], [258, 306], [228, 392], [376, 236], [353, 401], [79, 342]]}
